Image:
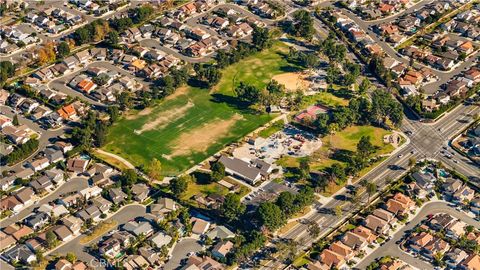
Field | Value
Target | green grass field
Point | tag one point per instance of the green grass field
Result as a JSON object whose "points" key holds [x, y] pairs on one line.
{"points": [[194, 123]]}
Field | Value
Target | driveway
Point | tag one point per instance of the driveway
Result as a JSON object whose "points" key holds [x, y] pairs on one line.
{"points": [[391, 248], [180, 252]]}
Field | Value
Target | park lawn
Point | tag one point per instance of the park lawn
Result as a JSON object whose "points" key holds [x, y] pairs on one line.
{"points": [[325, 98], [206, 189], [193, 124], [272, 129]]}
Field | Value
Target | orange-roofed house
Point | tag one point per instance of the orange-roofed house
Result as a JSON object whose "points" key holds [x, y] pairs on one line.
{"points": [[342, 249], [400, 204], [67, 112], [332, 259], [472, 262], [189, 8], [386, 8], [86, 86], [473, 74], [138, 65], [466, 47], [417, 242], [365, 233]]}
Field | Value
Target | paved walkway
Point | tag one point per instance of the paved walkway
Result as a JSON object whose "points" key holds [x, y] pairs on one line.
{"points": [[117, 157]]}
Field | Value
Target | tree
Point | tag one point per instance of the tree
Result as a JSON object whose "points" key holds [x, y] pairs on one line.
{"points": [[364, 86], [154, 169], [337, 173], [63, 49], [129, 177], [232, 208], [218, 171], [302, 25], [114, 113], [113, 38], [286, 202], [15, 121], [304, 167], [100, 134], [51, 239], [338, 210], [365, 148], [261, 38], [71, 257], [270, 216], [247, 93], [411, 162], [208, 74], [371, 189], [313, 229], [179, 185]]}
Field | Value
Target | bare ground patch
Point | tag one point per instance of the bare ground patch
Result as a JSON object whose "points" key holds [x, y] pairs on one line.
{"points": [[164, 118], [202, 137], [133, 116], [292, 81], [179, 92]]}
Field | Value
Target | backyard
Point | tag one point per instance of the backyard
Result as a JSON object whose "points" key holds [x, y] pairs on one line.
{"points": [[193, 123]]}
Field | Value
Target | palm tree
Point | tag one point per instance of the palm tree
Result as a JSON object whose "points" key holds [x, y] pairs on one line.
{"points": [[371, 189]]}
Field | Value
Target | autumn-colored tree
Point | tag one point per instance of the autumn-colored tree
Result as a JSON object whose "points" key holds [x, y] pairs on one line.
{"points": [[50, 50], [42, 57]]}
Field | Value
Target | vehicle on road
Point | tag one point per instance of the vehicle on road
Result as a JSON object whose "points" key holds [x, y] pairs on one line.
{"points": [[399, 156]]}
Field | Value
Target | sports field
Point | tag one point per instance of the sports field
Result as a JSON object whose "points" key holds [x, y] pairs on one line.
{"points": [[194, 123]]}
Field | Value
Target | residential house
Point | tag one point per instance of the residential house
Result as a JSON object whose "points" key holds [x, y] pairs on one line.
{"points": [[77, 165], [63, 233], [37, 221], [20, 253], [221, 249], [400, 204], [140, 192], [200, 226], [160, 239], [116, 195], [376, 224]]}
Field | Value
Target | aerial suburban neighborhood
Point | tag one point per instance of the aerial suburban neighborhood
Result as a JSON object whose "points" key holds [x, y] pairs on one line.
{"points": [[240, 134]]}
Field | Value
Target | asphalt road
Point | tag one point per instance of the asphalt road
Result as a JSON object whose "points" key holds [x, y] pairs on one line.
{"points": [[180, 251], [45, 135], [391, 248], [73, 184]]}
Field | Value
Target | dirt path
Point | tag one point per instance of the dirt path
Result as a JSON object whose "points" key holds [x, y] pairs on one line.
{"points": [[202, 137]]}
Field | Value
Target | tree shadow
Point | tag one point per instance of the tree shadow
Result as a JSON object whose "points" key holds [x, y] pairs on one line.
{"points": [[202, 178], [342, 155], [233, 102]]}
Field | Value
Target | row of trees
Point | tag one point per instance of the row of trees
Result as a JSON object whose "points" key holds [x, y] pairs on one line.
{"points": [[301, 25], [21, 152], [355, 162], [92, 32], [92, 131], [273, 215], [380, 110], [252, 95], [7, 70]]}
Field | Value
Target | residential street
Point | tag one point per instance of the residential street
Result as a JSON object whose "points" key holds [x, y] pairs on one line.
{"points": [[71, 185], [391, 248], [124, 215], [46, 136], [180, 251]]}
